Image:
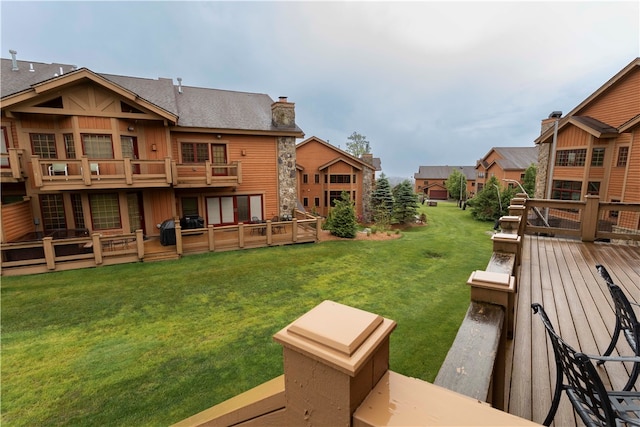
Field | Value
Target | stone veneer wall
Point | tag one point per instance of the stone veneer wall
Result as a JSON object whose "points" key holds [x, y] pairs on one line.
{"points": [[287, 174], [544, 154], [367, 189]]}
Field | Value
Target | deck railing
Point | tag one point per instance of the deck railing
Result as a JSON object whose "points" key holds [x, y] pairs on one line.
{"points": [[49, 254], [588, 220], [69, 174]]}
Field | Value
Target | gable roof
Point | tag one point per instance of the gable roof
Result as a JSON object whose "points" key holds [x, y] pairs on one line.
{"points": [[443, 172], [185, 106], [347, 158], [511, 158], [566, 120]]}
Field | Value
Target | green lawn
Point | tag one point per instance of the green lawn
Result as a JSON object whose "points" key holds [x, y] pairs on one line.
{"points": [[151, 344]]}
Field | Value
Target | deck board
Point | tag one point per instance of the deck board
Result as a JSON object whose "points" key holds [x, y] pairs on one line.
{"points": [[560, 274]]}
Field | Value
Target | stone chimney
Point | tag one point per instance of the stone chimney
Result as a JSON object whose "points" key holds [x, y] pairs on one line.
{"points": [[367, 158], [545, 155], [283, 114]]}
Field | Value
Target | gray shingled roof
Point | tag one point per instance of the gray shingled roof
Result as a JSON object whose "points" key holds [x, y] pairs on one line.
{"points": [[443, 172], [195, 107], [516, 158]]}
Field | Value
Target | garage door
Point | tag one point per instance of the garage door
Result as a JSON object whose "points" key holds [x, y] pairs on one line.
{"points": [[438, 194]]}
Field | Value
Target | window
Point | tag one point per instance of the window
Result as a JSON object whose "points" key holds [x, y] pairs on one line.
{"points": [[97, 146], [52, 208], [128, 146], [305, 202], [105, 211], [340, 179], [194, 152], [425, 183], [333, 195], [305, 178], [480, 174], [316, 201], [614, 214], [78, 213], [4, 149], [69, 147], [317, 178], [593, 188], [189, 206], [571, 157], [623, 155], [354, 178], [233, 209], [44, 145], [219, 158], [566, 190], [597, 157]]}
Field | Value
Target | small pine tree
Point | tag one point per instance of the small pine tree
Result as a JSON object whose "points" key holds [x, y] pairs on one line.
{"points": [[341, 221], [406, 203], [382, 197]]}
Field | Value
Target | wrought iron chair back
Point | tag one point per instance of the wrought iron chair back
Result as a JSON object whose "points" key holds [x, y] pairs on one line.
{"points": [[626, 323], [583, 385]]}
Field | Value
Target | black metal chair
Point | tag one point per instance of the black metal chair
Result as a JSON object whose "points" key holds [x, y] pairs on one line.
{"points": [[626, 323], [594, 404]]}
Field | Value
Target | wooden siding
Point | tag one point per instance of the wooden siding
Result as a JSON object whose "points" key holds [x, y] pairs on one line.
{"points": [[572, 137], [158, 205], [619, 103], [17, 220]]}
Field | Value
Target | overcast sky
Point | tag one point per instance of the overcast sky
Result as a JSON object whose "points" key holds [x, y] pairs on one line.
{"points": [[428, 83]]}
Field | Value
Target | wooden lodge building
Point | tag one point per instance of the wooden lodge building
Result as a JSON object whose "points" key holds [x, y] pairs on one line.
{"points": [[325, 171], [507, 164], [87, 152], [595, 148], [431, 181]]}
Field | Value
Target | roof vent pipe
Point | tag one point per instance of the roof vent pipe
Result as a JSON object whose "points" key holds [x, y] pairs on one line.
{"points": [[179, 84], [61, 72], [31, 68], [14, 61]]}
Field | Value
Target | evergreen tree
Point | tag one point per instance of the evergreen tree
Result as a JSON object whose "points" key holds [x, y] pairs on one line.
{"points": [[405, 205], [529, 181], [382, 197], [342, 221]]}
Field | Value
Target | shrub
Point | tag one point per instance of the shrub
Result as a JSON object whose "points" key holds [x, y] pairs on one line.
{"points": [[341, 221]]}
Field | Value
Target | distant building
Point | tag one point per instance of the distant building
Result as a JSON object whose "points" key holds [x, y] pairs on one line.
{"points": [[325, 171], [431, 181], [506, 164]]}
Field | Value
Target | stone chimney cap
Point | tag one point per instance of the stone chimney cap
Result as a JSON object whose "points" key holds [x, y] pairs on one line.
{"points": [[282, 99], [555, 114]]}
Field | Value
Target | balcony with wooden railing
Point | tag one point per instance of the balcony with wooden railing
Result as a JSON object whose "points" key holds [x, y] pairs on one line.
{"points": [[86, 173], [12, 166], [206, 174]]}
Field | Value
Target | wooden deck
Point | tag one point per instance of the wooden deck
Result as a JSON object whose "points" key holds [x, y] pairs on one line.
{"points": [[560, 274]]}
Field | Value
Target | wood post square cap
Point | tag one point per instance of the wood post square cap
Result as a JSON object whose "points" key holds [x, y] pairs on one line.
{"points": [[336, 333]]}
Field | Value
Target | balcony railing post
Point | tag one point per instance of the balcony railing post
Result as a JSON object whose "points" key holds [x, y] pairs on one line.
{"points": [[239, 171], [334, 355], [86, 170], [211, 238], [589, 222], [128, 172], [140, 244], [14, 163], [97, 248], [178, 229], [37, 171], [294, 229], [49, 252], [168, 169]]}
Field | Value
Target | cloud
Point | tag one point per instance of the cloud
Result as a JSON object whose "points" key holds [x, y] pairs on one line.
{"points": [[428, 83]]}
